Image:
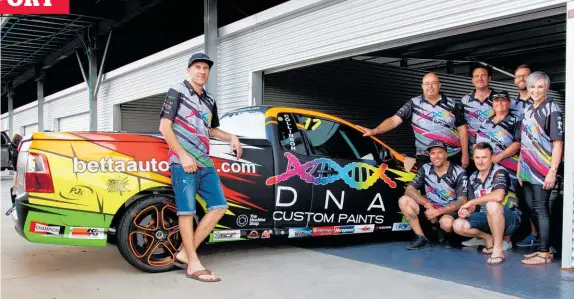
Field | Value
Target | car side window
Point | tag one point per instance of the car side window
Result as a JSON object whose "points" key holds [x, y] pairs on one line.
{"points": [[332, 139], [289, 134]]}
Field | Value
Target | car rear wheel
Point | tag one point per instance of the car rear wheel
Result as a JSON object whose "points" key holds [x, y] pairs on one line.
{"points": [[148, 234]]}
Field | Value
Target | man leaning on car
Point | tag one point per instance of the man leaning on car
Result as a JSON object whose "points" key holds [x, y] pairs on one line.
{"points": [[188, 119], [433, 116]]}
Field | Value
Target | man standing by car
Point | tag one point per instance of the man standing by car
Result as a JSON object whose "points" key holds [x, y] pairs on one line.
{"points": [[188, 119], [523, 99], [477, 106], [433, 116], [488, 188], [445, 188]]}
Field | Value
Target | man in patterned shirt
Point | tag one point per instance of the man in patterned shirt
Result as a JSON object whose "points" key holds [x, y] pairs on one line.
{"points": [[433, 116], [488, 188], [188, 120], [445, 188], [523, 99], [477, 106]]}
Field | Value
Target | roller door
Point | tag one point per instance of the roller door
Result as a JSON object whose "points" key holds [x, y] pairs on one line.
{"points": [[141, 115], [78, 122], [363, 93], [29, 129]]}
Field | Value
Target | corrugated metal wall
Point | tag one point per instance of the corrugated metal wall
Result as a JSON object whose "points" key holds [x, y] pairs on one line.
{"points": [[363, 93], [315, 30], [78, 122], [141, 115]]}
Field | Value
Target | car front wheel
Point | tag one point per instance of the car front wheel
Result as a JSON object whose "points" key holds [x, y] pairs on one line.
{"points": [[148, 234]]}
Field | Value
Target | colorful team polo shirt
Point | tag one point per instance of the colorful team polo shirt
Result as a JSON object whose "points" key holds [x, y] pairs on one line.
{"points": [[475, 113], [517, 107], [192, 117], [433, 122], [500, 136], [497, 179], [441, 190], [540, 127]]}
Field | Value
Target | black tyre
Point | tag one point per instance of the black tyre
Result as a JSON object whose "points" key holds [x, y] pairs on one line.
{"points": [[148, 234]]}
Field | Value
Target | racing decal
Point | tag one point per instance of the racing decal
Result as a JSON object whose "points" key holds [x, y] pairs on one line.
{"points": [[361, 229], [401, 226], [300, 232], [251, 220], [225, 235], [344, 230], [287, 197], [87, 233], [266, 234], [322, 231], [253, 235], [305, 171], [46, 229]]}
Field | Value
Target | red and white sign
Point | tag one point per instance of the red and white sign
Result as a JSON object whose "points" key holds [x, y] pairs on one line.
{"points": [[45, 229], [323, 231], [367, 228], [87, 233], [35, 7]]}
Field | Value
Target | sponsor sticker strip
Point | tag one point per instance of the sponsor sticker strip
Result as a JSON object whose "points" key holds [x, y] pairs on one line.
{"points": [[301, 232]]}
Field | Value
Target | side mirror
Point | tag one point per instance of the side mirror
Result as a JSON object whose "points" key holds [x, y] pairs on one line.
{"points": [[385, 154]]}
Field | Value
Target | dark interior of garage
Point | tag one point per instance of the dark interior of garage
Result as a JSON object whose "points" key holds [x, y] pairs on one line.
{"points": [[367, 89]]}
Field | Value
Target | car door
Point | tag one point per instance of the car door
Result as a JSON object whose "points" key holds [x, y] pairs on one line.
{"points": [[351, 190], [293, 193]]}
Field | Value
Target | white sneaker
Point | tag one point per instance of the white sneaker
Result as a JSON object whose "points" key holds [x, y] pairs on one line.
{"points": [[506, 245], [473, 242]]}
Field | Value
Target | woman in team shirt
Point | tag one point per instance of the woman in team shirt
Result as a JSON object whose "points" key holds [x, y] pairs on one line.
{"points": [[502, 132], [542, 136]]}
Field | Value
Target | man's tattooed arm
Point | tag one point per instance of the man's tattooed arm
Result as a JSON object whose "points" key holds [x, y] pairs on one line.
{"points": [[415, 194], [453, 206]]}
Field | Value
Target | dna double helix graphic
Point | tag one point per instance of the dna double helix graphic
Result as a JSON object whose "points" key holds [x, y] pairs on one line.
{"points": [[306, 172]]}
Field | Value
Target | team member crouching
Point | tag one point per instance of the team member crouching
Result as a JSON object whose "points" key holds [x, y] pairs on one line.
{"points": [[488, 188], [445, 186]]}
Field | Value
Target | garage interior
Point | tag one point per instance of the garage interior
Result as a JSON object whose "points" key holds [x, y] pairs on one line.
{"points": [[368, 88]]}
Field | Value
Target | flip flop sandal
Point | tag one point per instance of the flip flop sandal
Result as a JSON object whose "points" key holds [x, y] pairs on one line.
{"points": [[492, 259], [484, 250], [196, 275], [547, 259]]}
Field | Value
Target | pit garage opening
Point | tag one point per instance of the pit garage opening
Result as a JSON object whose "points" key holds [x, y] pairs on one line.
{"points": [[367, 88]]}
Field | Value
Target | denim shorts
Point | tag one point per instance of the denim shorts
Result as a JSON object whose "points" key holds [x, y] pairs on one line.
{"points": [[479, 221], [204, 183]]}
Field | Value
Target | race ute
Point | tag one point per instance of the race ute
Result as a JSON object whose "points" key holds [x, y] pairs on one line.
{"points": [[303, 173]]}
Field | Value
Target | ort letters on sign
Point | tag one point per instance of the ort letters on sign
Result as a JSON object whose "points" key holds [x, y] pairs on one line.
{"points": [[35, 7]]}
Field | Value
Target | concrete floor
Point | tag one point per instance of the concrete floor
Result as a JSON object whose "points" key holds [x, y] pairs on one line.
{"points": [[248, 269]]}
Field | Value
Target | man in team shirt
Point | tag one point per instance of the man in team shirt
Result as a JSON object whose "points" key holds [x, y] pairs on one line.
{"points": [[477, 107], [487, 189], [433, 116], [445, 188], [523, 99], [502, 132]]}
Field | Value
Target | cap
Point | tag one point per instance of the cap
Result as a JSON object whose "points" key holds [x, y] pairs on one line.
{"points": [[436, 143], [200, 57], [501, 94]]}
